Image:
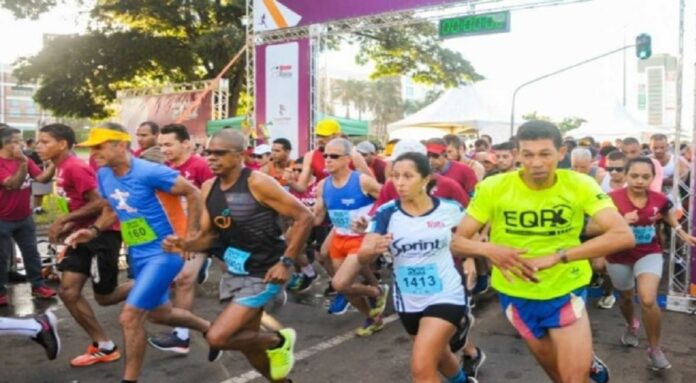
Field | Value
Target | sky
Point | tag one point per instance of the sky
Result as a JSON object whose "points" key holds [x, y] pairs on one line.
{"points": [[540, 41]]}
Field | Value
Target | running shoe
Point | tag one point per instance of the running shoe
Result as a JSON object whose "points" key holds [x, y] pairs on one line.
{"points": [[471, 365], [371, 326], [483, 283], [329, 291], [657, 359], [339, 305], [300, 282], [630, 335], [170, 342], [204, 272], [606, 302], [95, 355], [43, 292], [214, 354], [4, 300], [48, 336], [380, 303], [599, 372], [282, 359]]}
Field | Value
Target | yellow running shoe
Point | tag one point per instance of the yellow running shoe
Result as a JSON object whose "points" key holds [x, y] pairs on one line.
{"points": [[371, 326], [282, 359]]}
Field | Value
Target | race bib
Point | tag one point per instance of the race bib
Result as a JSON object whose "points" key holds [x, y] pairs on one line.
{"points": [[340, 218], [235, 260], [62, 204], [644, 234], [419, 280], [137, 231]]}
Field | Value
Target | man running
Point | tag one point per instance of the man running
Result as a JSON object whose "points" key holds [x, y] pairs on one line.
{"points": [[505, 154], [631, 148], [175, 144], [42, 329], [242, 208], [458, 171], [280, 162], [79, 204], [671, 163], [541, 269], [347, 195], [144, 197], [146, 135]]}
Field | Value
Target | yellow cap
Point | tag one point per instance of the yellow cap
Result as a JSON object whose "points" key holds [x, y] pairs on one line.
{"points": [[327, 127], [98, 136]]}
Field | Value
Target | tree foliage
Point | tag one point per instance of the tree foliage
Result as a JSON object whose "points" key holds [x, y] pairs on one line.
{"points": [[565, 125], [135, 43]]}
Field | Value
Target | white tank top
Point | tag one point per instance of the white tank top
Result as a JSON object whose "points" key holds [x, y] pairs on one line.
{"points": [[668, 170]]}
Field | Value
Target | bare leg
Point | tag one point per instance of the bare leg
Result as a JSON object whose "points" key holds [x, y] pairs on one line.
{"points": [[431, 352], [572, 346], [176, 317], [647, 291], [117, 296], [133, 322], [626, 306], [70, 293]]}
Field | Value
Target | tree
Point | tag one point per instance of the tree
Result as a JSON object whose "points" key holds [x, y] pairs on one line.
{"points": [[135, 43], [385, 99], [565, 125], [413, 106]]}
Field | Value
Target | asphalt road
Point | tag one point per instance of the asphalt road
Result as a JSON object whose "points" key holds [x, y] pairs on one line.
{"points": [[327, 349]]}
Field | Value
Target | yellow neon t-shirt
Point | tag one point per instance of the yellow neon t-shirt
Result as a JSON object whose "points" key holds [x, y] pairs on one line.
{"points": [[542, 222]]}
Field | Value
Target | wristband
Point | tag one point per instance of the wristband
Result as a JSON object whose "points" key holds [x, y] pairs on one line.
{"points": [[563, 255], [95, 228]]}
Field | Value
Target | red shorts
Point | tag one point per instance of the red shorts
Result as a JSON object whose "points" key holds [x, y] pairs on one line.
{"points": [[344, 245]]}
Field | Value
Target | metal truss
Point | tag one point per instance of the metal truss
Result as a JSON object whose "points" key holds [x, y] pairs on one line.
{"points": [[250, 61], [164, 89], [220, 101]]}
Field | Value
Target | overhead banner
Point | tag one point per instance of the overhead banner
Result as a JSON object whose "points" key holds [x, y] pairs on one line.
{"points": [[278, 14], [166, 109]]}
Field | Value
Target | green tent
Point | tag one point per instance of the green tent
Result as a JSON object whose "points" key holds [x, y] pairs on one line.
{"points": [[213, 126], [349, 126]]}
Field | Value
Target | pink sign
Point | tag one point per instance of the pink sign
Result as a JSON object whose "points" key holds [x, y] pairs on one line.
{"points": [[278, 14]]}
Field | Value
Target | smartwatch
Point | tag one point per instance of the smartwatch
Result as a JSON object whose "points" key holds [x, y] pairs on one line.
{"points": [[287, 262]]}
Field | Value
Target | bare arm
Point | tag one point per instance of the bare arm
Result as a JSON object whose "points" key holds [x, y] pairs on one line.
{"points": [[47, 174], [360, 163], [372, 246], [320, 206], [305, 176], [16, 180], [193, 203], [206, 235], [671, 219], [95, 205], [370, 186], [268, 192]]}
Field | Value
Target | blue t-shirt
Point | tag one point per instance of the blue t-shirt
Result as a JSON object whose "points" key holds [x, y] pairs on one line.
{"points": [[142, 204]]}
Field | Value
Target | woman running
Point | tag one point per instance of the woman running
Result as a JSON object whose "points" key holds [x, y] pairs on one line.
{"points": [[642, 209], [428, 294]]}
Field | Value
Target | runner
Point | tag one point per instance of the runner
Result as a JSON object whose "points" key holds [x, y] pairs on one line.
{"points": [[176, 146], [582, 162], [631, 148], [261, 156], [460, 172], [505, 154], [242, 209], [146, 135], [280, 161], [346, 195], [671, 163], [377, 165], [540, 268], [144, 197], [16, 222], [42, 329], [79, 204], [457, 152], [428, 292], [640, 268]]}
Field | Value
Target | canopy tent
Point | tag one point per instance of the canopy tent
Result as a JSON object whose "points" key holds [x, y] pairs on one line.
{"points": [[462, 110], [213, 126], [349, 126], [612, 122]]}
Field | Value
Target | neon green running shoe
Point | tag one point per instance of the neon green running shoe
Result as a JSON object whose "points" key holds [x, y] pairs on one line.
{"points": [[282, 359]]}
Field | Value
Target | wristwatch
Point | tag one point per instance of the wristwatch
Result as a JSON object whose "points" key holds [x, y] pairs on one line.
{"points": [[286, 261], [563, 255], [96, 229]]}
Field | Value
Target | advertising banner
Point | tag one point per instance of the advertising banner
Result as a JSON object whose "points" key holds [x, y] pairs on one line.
{"points": [[278, 14], [165, 109]]}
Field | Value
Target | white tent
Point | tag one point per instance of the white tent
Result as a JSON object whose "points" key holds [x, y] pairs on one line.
{"points": [[612, 122], [462, 110]]}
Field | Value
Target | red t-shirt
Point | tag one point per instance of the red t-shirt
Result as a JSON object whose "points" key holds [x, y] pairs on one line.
{"points": [[444, 188], [644, 230], [378, 168], [308, 197], [15, 205], [195, 170], [463, 174], [74, 178]]}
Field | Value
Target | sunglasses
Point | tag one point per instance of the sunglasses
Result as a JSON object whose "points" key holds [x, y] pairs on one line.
{"points": [[333, 156], [298, 170], [615, 169], [434, 155], [257, 156], [217, 152]]}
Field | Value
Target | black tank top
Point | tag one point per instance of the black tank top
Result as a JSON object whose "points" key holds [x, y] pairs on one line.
{"points": [[244, 224]]}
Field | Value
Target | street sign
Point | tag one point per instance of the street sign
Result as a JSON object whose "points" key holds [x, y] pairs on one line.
{"points": [[486, 23]]}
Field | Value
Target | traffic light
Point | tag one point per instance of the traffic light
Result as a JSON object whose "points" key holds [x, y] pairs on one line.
{"points": [[643, 46]]}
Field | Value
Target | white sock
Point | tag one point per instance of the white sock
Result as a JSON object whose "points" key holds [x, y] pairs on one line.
{"points": [[26, 327], [182, 333], [107, 346], [309, 271]]}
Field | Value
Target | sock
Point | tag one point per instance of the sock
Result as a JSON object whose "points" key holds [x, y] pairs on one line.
{"points": [[459, 378], [309, 271], [107, 346], [182, 333], [25, 327], [282, 341]]}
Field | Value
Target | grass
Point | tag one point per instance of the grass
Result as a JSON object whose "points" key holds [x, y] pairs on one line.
{"points": [[50, 206]]}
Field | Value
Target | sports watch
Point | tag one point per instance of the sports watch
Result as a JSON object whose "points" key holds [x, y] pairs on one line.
{"points": [[286, 261]]}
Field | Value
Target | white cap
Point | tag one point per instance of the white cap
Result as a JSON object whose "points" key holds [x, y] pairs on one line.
{"points": [[262, 149], [407, 146], [366, 147]]}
